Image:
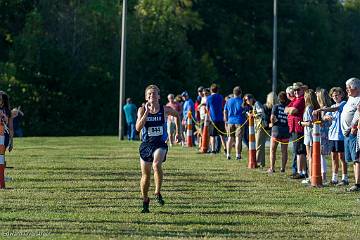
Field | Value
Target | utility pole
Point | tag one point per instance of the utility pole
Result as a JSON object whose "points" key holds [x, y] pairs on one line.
{"points": [[122, 68], [274, 63]]}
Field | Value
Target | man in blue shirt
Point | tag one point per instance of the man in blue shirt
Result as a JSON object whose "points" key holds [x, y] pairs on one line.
{"points": [[233, 116], [214, 104], [130, 115]]}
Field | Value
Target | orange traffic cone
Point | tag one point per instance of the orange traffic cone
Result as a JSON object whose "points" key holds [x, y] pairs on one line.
{"points": [[2, 157], [316, 179], [205, 135], [252, 143], [189, 129]]}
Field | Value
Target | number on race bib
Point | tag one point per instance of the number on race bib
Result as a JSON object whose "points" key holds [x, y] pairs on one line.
{"points": [[155, 131]]}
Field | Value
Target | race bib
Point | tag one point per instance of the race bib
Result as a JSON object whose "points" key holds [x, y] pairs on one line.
{"points": [[155, 131]]}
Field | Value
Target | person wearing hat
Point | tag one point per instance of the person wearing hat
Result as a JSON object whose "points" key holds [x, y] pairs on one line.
{"points": [[295, 111]]}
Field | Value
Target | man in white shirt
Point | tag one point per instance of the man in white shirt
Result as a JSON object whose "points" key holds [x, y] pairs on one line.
{"points": [[349, 119]]}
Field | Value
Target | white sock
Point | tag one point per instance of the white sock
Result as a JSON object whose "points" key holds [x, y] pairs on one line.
{"points": [[334, 177], [303, 172], [345, 177]]}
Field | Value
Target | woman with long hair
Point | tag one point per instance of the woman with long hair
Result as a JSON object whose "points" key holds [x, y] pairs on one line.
{"points": [[6, 133]]}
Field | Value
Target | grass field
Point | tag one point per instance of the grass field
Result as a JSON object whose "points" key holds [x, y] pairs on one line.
{"points": [[88, 188]]}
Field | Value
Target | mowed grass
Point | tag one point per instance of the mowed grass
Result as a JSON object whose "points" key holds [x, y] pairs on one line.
{"points": [[88, 188]]}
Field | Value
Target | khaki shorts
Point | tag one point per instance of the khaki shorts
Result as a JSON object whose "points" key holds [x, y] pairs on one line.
{"points": [[235, 130]]}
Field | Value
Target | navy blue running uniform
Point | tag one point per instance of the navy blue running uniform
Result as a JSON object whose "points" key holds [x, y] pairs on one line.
{"points": [[154, 135]]}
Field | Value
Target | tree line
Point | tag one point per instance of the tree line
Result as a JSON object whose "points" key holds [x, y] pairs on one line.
{"points": [[60, 60]]}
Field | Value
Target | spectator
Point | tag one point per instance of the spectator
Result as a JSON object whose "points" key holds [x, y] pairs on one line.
{"points": [[198, 102], [214, 104], [202, 111], [130, 115], [348, 122], [6, 138], [271, 99], [233, 114], [336, 137], [325, 148], [260, 135], [17, 116], [311, 104], [171, 119], [290, 93], [188, 105], [279, 132], [295, 111]]}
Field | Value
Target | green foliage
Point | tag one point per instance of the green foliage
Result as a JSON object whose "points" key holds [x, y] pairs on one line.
{"points": [[60, 60]]}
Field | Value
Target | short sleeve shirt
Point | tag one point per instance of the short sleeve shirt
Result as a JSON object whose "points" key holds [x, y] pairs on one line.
{"points": [[280, 128], [214, 103], [293, 119], [234, 110]]}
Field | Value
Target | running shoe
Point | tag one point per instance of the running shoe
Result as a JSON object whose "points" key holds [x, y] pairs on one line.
{"points": [[306, 181], [146, 206], [334, 182], [298, 176], [159, 199], [354, 188], [343, 183]]}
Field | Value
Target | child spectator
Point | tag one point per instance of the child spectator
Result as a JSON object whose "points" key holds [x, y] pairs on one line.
{"points": [[311, 104]]}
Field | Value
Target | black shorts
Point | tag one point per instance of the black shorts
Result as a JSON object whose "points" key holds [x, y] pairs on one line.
{"points": [[337, 146], [218, 129], [299, 145], [147, 150]]}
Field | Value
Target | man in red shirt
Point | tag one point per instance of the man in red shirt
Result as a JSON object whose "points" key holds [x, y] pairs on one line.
{"points": [[295, 111]]}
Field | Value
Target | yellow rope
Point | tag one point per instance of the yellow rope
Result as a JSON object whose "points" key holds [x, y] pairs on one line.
{"points": [[287, 143], [262, 127]]}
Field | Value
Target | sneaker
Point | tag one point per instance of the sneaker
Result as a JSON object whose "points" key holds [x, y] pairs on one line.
{"points": [[306, 181], [343, 183], [282, 170], [298, 176], [270, 171], [228, 158], [238, 158], [146, 206], [354, 188], [334, 182], [159, 199]]}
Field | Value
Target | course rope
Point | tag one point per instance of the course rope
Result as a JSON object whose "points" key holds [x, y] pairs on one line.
{"points": [[198, 124]]}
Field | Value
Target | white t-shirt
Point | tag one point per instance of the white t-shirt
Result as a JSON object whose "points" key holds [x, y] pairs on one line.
{"points": [[203, 108], [347, 114]]}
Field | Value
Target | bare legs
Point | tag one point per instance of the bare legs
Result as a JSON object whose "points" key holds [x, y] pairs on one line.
{"points": [[159, 156]]}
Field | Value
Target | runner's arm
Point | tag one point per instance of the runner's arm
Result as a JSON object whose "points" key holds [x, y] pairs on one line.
{"points": [[141, 118]]}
